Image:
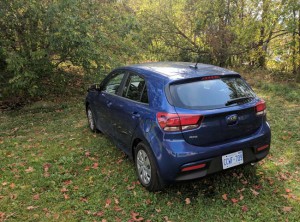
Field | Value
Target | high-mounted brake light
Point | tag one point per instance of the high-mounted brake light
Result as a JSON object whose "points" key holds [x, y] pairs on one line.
{"points": [[210, 77], [260, 108], [172, 122]]}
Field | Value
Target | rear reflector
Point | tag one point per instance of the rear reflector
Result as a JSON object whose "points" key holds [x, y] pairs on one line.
{"points": [[260, 108], [195, 167], [172, 122], [262, 148], [210, 77]]}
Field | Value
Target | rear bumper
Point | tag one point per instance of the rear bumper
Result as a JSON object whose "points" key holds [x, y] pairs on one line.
{"points": [[176, 154]]}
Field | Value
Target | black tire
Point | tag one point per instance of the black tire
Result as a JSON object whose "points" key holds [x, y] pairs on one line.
{"points": [[151, 181], [91, 119]]}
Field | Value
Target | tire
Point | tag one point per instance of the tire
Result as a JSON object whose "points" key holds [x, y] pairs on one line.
{"points": [[146, 168], [91, 119]]}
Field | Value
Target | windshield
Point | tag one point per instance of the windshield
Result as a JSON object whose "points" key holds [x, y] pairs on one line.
{"points": [[211, 94]]}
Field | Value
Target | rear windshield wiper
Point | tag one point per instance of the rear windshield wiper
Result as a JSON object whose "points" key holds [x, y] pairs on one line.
{"points": [[237, 100]]}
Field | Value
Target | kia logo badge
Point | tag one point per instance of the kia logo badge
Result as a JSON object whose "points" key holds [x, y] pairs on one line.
{"points": [[232, 119]]}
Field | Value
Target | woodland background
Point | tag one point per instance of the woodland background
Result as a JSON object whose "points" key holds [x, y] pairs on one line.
{"points": [[46, 46]]}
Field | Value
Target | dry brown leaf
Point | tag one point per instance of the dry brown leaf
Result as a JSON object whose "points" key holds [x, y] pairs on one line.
{"points": [[31, 208], [244, 208], [224, 196], [29, 170], [136, 217], [233, 200], [254, 192], [107, 203], [66, 196], [287, 209], [187, 200], [36, 197]]}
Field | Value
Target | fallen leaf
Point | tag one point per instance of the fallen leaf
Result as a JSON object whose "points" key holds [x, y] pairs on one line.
{"points": [[99, 214], [224, 196], [187, 201], [244, 208], [95, 165], [87, 154], [107, 203], [241, 197], [13, 196], [136, 217], [117, 208], [158, 210], [29, 170], [66, 196], [36, 197], [233, 200], [83, 199], [12, 185], [288, 190], [2, 216], [287, 209], [116, 201], [63, 190], [254, 192], [68, 182], [31, 208]]}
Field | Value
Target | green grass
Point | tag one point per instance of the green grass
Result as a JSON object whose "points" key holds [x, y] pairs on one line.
{"points": [[53, 168]]}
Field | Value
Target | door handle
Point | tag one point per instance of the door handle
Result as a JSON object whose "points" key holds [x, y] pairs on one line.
{"points": [[136, 115], [108, 103]]}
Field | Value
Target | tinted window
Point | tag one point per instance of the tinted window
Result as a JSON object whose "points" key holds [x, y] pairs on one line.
{"points": [[114, 83], [210, 94], [136, 89]]}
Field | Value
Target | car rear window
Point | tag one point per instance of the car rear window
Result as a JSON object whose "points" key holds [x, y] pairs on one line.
{"points": [[211, 94]]}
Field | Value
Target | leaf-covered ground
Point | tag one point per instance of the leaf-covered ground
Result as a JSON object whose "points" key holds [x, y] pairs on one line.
{"points": [[52, 168]]}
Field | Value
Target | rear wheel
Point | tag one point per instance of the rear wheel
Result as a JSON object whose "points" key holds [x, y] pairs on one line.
{"points": [[146, 168], [91, 119]]}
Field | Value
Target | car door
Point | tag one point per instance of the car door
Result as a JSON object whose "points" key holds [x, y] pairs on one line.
{"points": [[110, 90], [130, 109]]}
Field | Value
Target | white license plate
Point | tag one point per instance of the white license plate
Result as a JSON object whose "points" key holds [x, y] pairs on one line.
{"points": [[232, 159]]}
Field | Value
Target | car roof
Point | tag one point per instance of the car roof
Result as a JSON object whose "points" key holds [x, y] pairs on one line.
{"points": [[179, 70]]}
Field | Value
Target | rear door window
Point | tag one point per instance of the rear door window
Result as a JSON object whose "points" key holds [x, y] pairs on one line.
{"points": [[211, 94], [135, 89], [113, 84]]}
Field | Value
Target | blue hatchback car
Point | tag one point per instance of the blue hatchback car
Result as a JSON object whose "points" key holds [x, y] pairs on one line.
{"points": [[180, 121]]}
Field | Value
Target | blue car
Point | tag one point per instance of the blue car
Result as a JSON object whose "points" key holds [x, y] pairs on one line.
{"points": [[179, 121]]}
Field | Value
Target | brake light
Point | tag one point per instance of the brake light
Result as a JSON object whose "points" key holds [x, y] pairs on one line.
{"points": [[262, 148], [172, 122], [210, 77], [260, 108], [195, 167]]}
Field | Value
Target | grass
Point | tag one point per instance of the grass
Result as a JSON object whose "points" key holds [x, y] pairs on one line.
{"points": [[52, 168]]}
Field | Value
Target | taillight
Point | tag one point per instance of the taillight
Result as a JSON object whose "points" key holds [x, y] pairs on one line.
{"points": [[172, 122], [260, 108], [210, 77]]}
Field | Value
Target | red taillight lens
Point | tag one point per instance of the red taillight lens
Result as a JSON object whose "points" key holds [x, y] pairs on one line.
{"points": [[210, 77], [260, 107], [195, 167], [262, 148], [173, 122]]}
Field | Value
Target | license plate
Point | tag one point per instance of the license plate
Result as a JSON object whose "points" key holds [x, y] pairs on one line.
{"points": [[232, 159]]}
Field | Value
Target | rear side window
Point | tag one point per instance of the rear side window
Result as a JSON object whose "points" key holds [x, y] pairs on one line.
{"points": [[211, 94], [136, 89]]}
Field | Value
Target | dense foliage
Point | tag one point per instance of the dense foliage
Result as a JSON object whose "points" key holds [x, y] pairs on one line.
{"points": [[41, 39]]}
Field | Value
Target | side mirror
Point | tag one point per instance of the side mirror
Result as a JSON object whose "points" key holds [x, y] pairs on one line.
{"points": [[94, 87]]}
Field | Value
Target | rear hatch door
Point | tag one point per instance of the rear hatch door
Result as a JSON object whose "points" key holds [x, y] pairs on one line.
{"points": [[226, 103]]}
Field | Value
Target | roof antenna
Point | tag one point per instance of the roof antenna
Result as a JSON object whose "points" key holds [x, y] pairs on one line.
{"points": [[196, 65]]}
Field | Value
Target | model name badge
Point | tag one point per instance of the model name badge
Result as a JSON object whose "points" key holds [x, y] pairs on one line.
{"points": [[193, 137]]}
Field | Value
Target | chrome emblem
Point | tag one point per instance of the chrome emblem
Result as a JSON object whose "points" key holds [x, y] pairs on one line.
{"points": [[232, 119]]}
